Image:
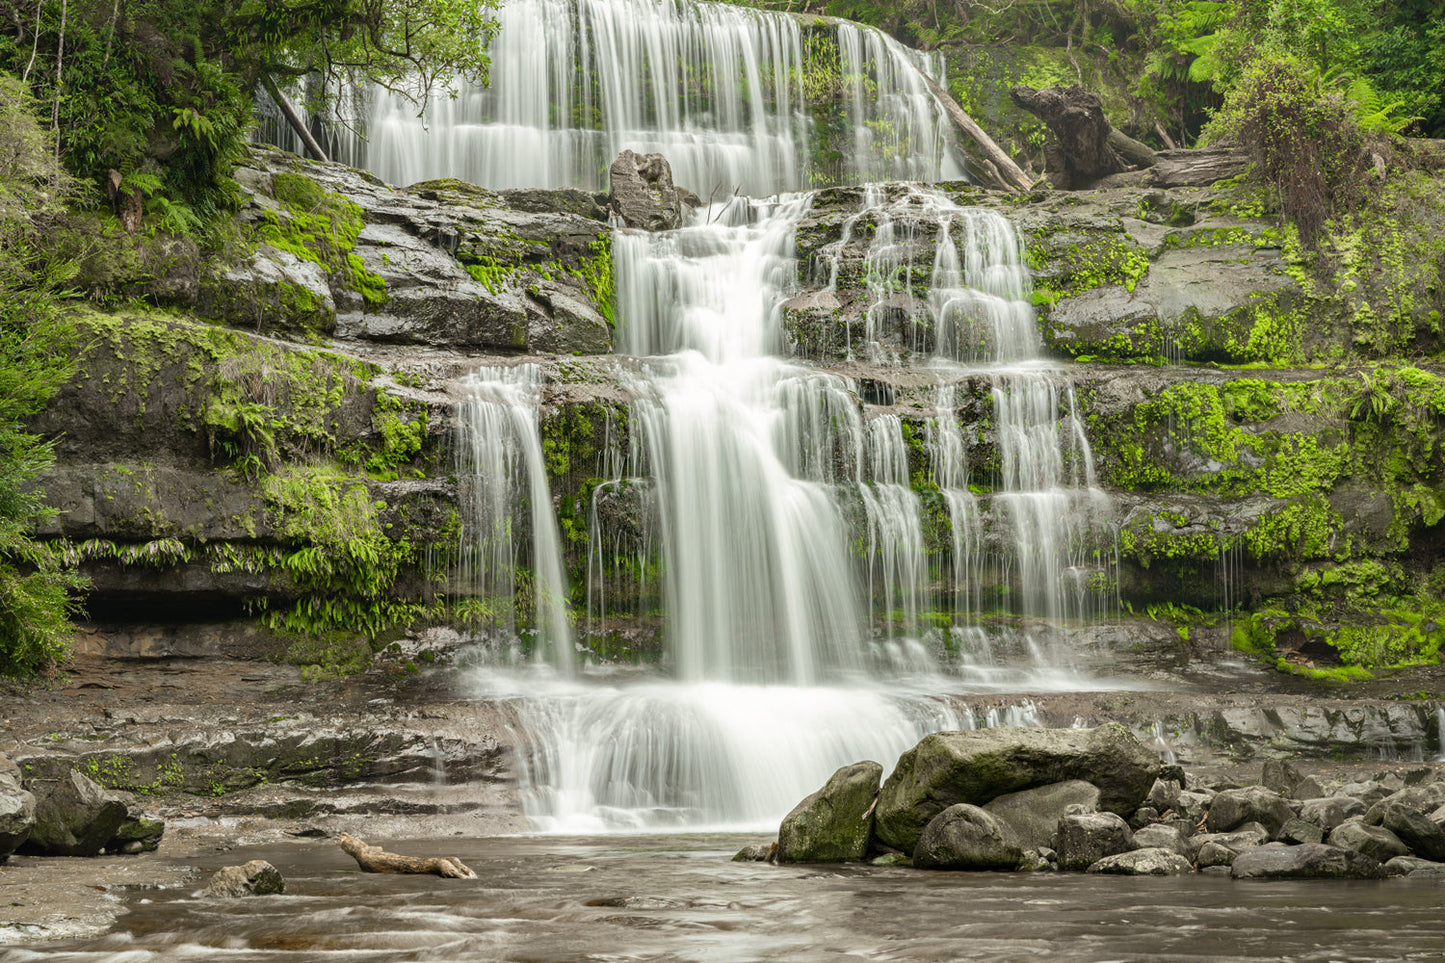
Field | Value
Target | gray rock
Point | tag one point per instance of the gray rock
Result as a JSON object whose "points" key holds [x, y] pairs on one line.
{"points": [[1193, 805], [1300, 831], [1308, 788], [1424, 836], [978, 766], [1161, 836], [1143, 816], [1037, 861], [256, 878], [1435, 871], [966, 837], [1330, 811], [1034, 814], [1421, 799], [76, 818], [1083, 840], [1152, 861], [1215, 854], [891, 859], [1245, 837], [1377, 842], [1309, 861], [1280, 776], [834, 823], [1164, 795], [756, 853], [1405, 865], [642, 192], [1253, 804], [17, 809], [1368, 793]]}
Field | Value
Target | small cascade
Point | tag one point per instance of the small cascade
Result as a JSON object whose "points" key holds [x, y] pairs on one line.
{"points": [[1440, 733], [503, 482], [896, 559], [739, 100]]}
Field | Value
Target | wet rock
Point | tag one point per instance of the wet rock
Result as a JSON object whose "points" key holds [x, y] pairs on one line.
{"points": [[76, 818], [754, 854], [1144, 862], [1085, 838], [1308, 861], [17, 809], [1421, 799], [1330, 811], [1193, 805], [1424, 836], [1160, 836], [892, 859], [978, 766], [1213, 854], [1164, 795], [642, 192], [1037, 861], [1245, 837], [1235, 807], [256, 878], [1405, 865], [1034, 814], [1376, 842], [1143, 816], [1300, 831], [1280, 776], [967, 837], [835, 822], [1436, 871]]}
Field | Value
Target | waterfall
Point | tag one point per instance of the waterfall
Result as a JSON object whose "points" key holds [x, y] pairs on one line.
{"points": [[1440, 733], [502, 481], [737, 99]]}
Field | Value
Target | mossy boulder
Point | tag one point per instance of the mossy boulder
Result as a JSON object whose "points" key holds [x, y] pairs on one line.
{"points": [[975, 767], [834, 823], [76, 818], [967, 837]]}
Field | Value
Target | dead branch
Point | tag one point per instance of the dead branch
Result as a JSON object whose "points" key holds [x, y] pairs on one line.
{"points": [[374, 859]]}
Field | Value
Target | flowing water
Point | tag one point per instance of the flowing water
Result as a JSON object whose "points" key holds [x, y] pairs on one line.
{"points": [[678, 898]]}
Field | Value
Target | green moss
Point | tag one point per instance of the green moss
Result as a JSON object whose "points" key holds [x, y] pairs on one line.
{"points": [[1067, 264]]}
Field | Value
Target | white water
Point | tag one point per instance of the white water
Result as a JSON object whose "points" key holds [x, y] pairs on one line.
{"points": [[1440, 733], [723, 91]]}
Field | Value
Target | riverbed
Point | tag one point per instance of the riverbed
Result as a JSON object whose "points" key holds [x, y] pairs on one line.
{"points": [[680, 898]]}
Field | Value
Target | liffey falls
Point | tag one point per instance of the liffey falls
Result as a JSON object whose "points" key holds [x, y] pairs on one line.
{"points": [[700, 440]]}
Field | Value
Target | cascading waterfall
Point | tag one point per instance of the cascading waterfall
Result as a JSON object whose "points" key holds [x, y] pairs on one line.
{"points": [[1440, 733], [499, 463], [737, 99]]}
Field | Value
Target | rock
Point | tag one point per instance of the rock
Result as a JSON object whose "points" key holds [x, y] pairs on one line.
{"points": [[1300, 831], [834, 823], [753, 854], [1160, 836], [978, 766], [256, 878], [1193, 805], [1245, 837], [1425, 837], [1213, 854], [1164, 795], [1309, 861], [1434, 871], [642, 192], [1368, 793], [1308, 788], [1421, 799], [967, 837], [1034, 814], [1376, 842], [1330, 811], [1235, 807], [891, 859], [17, 809], [1143, 816], [1404, 865], [1152, 861], [1037, 861], [1281, 777], [76, 818], [1086, 838]]}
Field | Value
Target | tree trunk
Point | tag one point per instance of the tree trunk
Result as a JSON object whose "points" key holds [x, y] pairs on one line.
{"points": [[997, 169], [1197, 168], [374, 859], [297, 123], [1087, 147]]}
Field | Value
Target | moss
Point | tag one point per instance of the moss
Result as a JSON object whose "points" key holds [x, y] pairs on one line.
{"points": [[1067, 264]]}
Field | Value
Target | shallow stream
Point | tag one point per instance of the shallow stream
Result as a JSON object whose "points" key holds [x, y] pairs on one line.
{"points": [[679, 898]]}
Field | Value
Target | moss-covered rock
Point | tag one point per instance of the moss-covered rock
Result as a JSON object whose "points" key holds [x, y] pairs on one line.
{"points": [[835, 823]]}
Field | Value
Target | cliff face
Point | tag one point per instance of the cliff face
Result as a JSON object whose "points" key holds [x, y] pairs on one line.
{"points": [[262, 433]]}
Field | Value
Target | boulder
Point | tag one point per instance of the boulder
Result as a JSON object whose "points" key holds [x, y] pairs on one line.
{"points": [[1405, 865], [1152, 861], [1164, 795], [1085, 838], [1328, 812], [1037, 861], [17, 809], [1422, 799], [967, 837], [1299, 831], [1433, 871], [256, 878], [976, 767], [1193, 805], [1245, 837], [1424, 836], [76, 818], [1034, 814], [1162, 836], [1253, 804], [1280, 776], [642, 193], [1376, 842], [1308, 861], [754, 854], [1213, 854], [834, 823]]}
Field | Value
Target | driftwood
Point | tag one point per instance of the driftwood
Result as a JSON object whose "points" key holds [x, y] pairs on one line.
{"points": [[1085, 147], [996, 169], [294, 119], [1197, 168], [374, 859]]}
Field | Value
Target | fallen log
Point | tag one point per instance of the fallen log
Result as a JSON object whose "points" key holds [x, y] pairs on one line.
{"points": [[1085, 146], [298, 124], [997, 169], [1197, 168], [374, 859]]}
